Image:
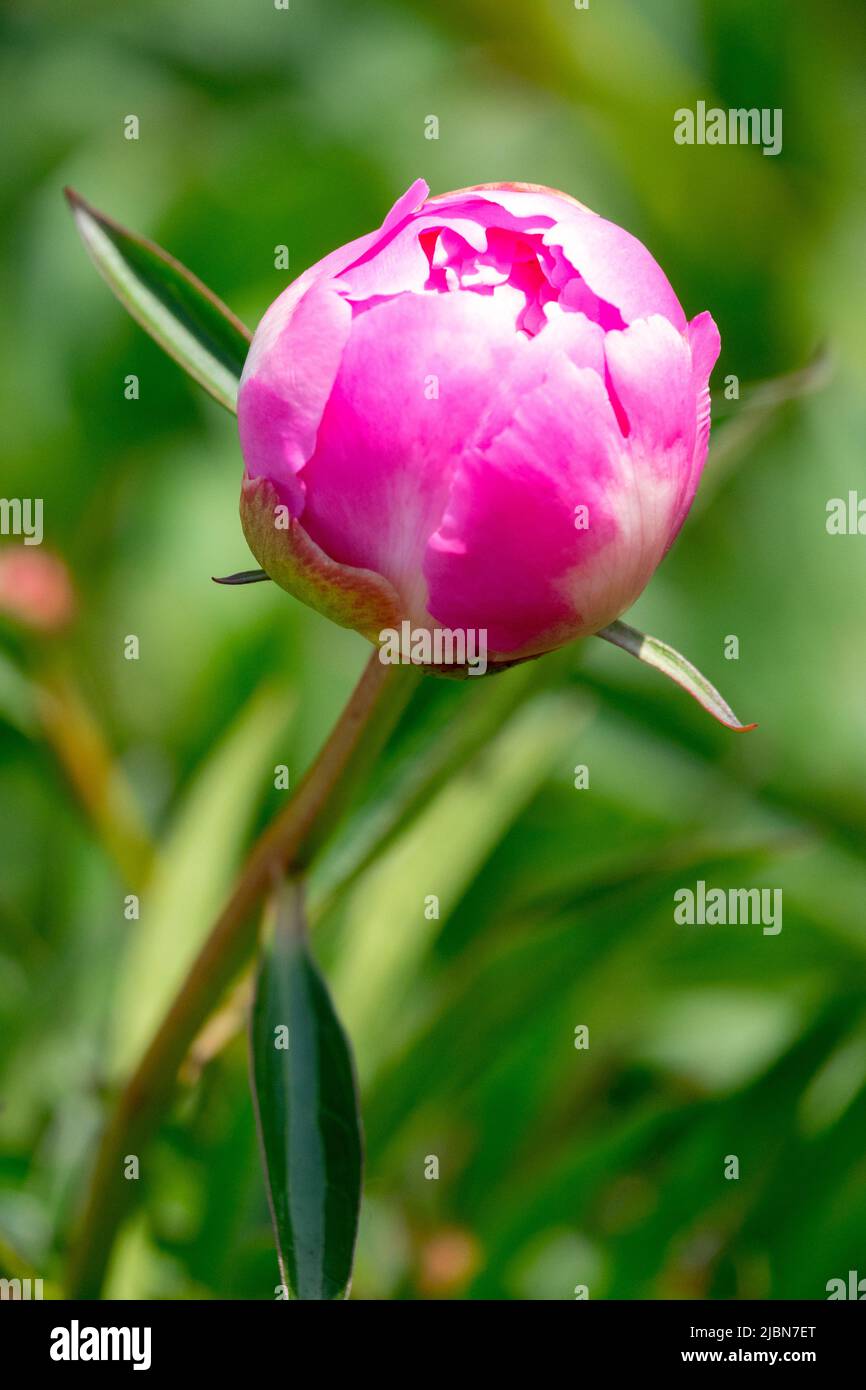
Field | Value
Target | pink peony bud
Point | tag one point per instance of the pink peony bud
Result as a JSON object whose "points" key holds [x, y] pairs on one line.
{"points": [[35, 589], [490, 415]]}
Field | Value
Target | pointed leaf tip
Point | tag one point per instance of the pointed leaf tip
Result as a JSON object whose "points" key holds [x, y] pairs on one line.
{"points": [[170, 303], [243, 577], [673, 664]]}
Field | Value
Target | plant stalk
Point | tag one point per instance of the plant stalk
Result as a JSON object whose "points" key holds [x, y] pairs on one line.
{"points": [[288, 844]]}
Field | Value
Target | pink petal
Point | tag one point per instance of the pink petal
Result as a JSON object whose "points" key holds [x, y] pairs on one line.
{"points": [[650, 366], [399, 262], [650, 372], [705, 344], [280, 405], [570, 336], [279, 316], [507, 550], [339, 260], [517, 208], [377, 482], [616, 266]]}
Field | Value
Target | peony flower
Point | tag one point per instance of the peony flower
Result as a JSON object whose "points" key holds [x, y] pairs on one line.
{"points": [[490, 415]]}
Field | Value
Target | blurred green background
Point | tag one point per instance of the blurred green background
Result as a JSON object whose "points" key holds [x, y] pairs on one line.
{"points": [[557, 1166]]}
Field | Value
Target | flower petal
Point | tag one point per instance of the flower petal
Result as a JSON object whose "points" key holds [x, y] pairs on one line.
{"points": [[618, 268], [705, 345], [414, 381], [280, 314], [280, 404], [650, 371], [508, 553]]}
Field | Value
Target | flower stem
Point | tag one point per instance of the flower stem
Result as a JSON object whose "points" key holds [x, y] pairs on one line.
{"points": [[288, 843]]}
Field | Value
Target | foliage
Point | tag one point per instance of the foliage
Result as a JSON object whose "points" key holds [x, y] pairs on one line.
{"points": [[557, 1166]]}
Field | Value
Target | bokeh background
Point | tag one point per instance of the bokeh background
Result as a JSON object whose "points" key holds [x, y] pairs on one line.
{"points": [[261, 127]]}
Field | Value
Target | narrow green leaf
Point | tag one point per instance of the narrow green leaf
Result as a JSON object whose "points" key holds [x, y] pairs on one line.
{"points": [[244, 577], [196, 862], [307, 1107], [669, 661], [170, 303]]}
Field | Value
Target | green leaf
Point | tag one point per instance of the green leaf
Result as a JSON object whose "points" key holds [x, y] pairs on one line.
{"points": [[18, 699], [170, 303], [388, 936], [307, 1108], [669, 661], [197, 859]]}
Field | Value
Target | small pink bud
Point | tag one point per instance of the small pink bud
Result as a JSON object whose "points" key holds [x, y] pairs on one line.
{"points": [[489, 415], [35, 589]]}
